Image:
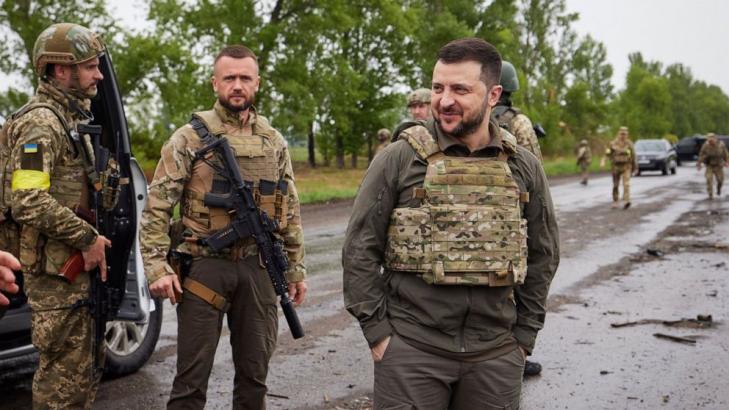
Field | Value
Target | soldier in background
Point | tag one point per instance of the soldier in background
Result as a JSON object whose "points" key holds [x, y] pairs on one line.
{"points": [[383, 135], [520, 126], [624, 163], [714, 155], [510, 118], [49, 181], [419, 104], [584, 158], [232, 282]]}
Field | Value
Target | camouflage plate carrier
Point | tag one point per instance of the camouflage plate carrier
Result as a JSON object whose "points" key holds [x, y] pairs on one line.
{"points": [[620, 154], [469, 229], [254, 159]]}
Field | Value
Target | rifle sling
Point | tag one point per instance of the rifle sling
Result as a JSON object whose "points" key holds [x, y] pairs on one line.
{"points": [[205, 293]]}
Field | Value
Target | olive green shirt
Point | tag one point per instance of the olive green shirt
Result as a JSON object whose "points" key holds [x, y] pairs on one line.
{"points": [[455, 320]]}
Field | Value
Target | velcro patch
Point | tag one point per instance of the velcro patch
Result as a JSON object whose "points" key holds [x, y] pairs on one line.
{"points": [[32, 157]]}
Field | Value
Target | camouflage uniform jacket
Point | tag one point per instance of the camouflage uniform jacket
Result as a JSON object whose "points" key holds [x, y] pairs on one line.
{"points": [[617, 150], [168, 187], [713, 155], [454, 320], [49, 177], [519, 125], [584, 155]]}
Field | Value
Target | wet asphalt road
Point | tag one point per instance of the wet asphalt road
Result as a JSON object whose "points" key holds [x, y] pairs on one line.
{"points": [[605, 277]]}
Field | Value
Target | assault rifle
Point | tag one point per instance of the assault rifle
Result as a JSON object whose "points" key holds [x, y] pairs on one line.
{"points": [[247, 221], [104, 298]]}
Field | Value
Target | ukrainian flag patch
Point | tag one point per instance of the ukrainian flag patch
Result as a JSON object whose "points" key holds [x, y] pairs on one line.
{"points": [[30, 148]]}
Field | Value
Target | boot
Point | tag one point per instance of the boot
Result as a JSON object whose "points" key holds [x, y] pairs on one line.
{"points": [[627, 205], [583, 182], [718, 190], [532, 368]]}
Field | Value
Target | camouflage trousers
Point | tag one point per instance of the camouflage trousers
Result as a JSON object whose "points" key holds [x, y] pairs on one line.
{"points": [[65, 377], [621, 171], [714, 171], [583, 170]]}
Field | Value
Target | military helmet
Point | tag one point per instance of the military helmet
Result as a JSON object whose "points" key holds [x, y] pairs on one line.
{"points": [[383, 134], [65, 44], [710, 135], [583, 142], [509, 80], [419, 96]]}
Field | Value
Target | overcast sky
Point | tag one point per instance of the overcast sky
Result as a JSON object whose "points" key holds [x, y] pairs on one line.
{"points": [[694, 33]]}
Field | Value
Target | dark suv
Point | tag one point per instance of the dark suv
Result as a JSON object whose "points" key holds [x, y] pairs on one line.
{"points": [[656, 155], [132, 334]]}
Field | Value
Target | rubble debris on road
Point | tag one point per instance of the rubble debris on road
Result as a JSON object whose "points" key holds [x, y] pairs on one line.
{"points": [[673, 338], [655, 252], [701, 322]]}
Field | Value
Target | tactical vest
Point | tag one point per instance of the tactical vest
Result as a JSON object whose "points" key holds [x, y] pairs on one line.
{"points": [[468, 229], [68, 186], [258, 162], [620, 154], [714, 155]]}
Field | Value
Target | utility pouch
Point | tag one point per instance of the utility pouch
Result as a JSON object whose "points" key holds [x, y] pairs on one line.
{"points": [[181, 264]]}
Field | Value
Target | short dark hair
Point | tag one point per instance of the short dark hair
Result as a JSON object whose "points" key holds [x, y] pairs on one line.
{"points": [[236, 51], [474, 49]]}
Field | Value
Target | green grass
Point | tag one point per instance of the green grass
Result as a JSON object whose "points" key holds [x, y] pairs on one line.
{"points": [[325, 183], [560, 166]]}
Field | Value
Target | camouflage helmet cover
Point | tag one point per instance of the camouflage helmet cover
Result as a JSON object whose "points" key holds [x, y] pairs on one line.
{"points": [[710, 135], [419, 96], [509, 80], [583, 142], [383, 134], [65, 44]]}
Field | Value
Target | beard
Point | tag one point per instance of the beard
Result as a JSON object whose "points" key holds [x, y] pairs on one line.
{"points": [[83, 92], [239, 108], [466, 126]]}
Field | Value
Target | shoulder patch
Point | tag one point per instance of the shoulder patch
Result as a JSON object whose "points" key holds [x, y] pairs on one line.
{"points": [[421, 140], [508, 141]]}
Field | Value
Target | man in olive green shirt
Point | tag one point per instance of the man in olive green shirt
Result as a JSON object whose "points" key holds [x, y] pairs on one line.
{"points": [[448, 346]]}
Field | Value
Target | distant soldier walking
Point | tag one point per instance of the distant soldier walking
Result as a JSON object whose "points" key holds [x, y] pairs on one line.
{"points": [[584, 158], [714, 155], [623, 164]]}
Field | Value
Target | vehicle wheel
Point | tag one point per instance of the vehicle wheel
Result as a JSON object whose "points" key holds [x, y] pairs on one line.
{"points": [[129, 344]]}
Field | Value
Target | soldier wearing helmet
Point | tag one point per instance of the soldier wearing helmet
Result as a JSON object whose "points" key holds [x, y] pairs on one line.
{"points": [[48, 181], [419, 104], [715, 156], [383, 135], [584, 158], [512, 119], [624, 164]]}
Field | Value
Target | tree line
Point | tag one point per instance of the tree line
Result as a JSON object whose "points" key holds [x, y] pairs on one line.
{"points": [[335, 71]]}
